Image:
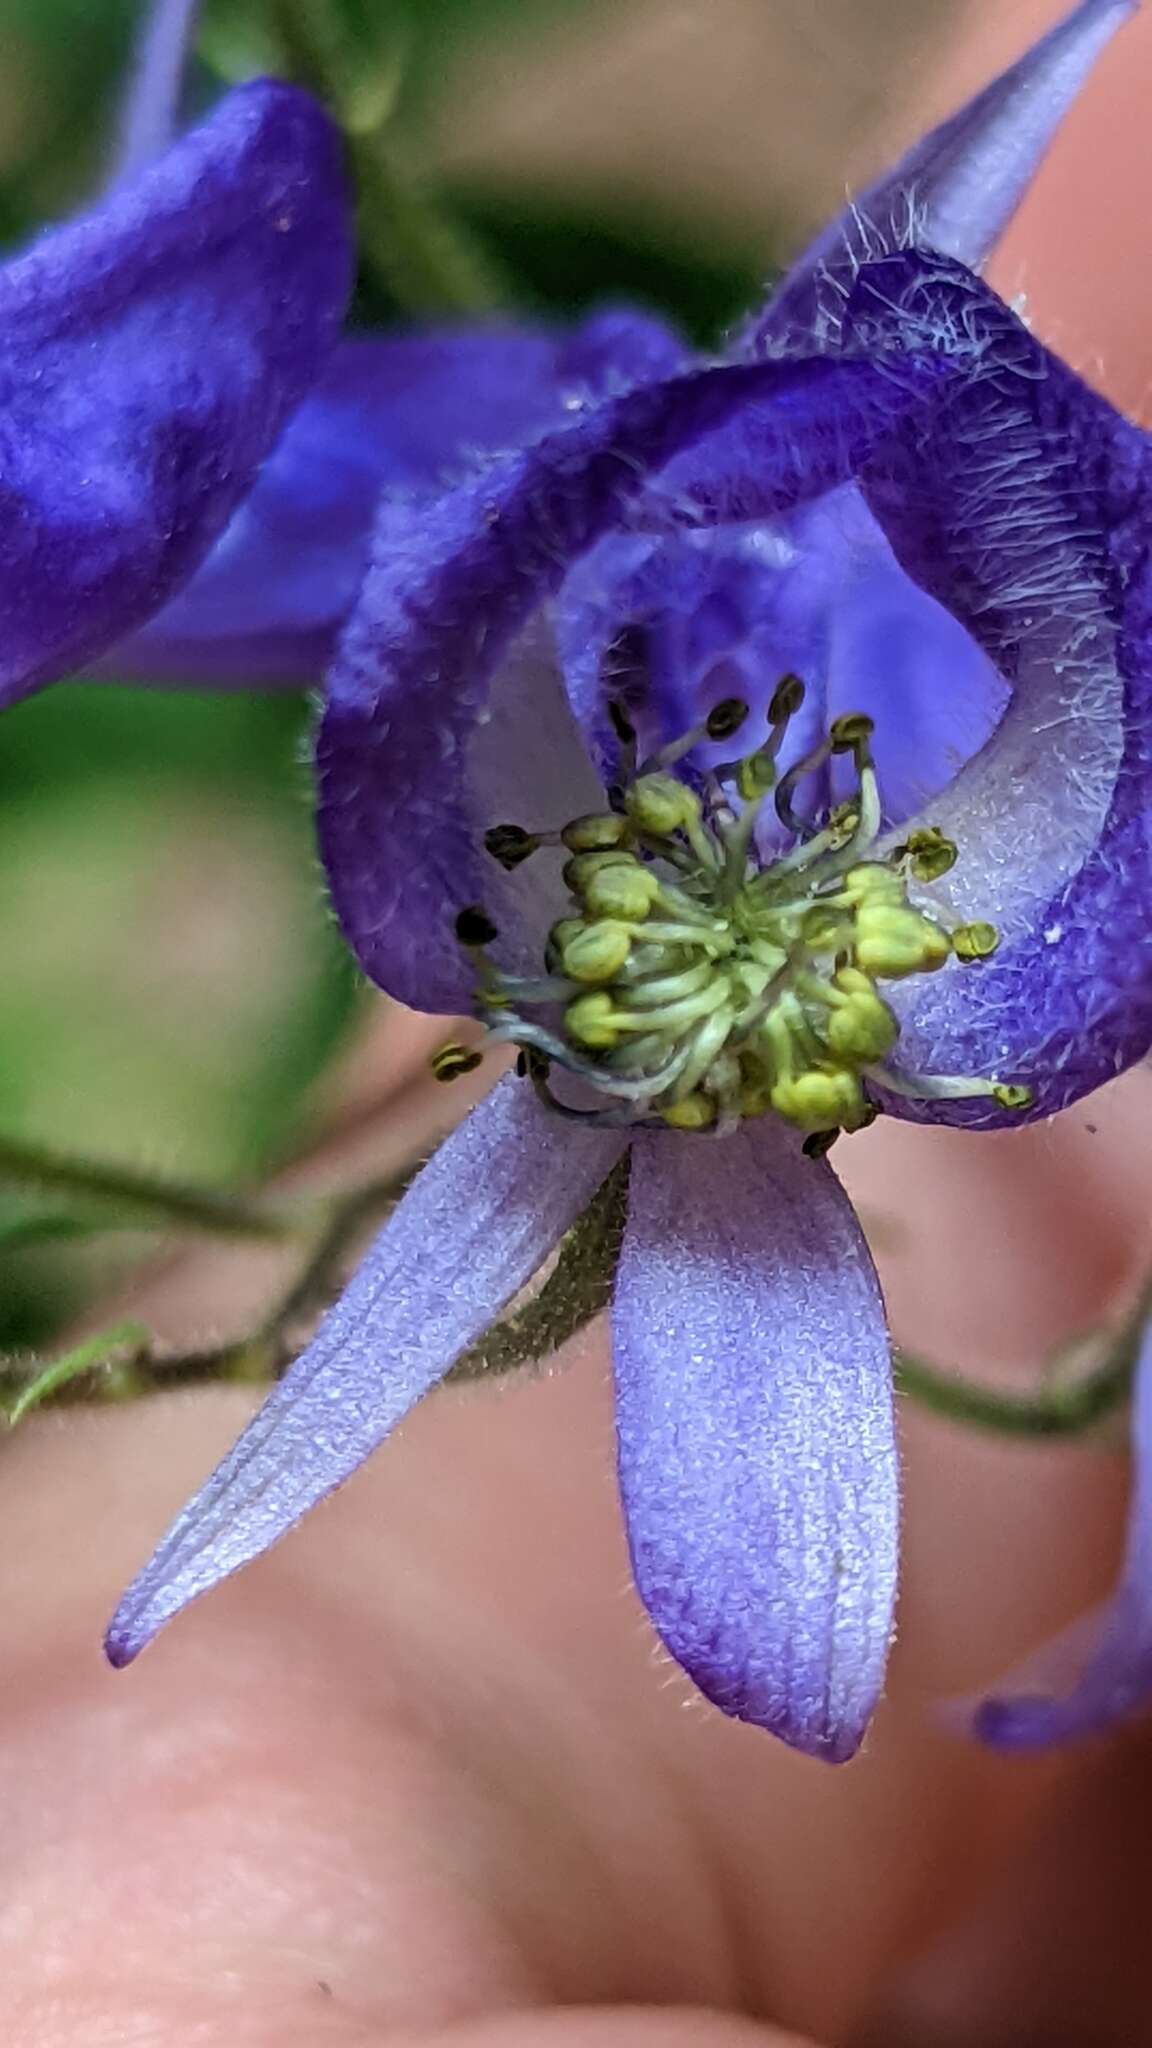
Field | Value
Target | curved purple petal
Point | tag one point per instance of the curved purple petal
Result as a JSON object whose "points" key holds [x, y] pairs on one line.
{"points": [[726, 612], [757, 1456], [407, 414], [1022, 501], [149, 356], [957, 189], [419, 751], [151, 108], [472, 1230], [1116, 1679]]}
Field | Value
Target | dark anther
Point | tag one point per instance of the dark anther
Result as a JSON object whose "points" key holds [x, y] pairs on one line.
{"points": [[786, 699], [510, 844], [474, 927], [453, 1060], [725, 718], [819, 1144], [851, 731], [622, 725]]}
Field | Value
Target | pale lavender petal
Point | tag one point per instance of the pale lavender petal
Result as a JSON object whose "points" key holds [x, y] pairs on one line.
{"points": [[757, 1457], [151, 108], [957, 189], [472, 1230], [416, 757], [1116, 1679]]}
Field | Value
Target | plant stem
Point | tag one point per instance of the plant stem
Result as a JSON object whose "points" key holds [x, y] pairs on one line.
{"points": [[95, 1372], [578, 1288], [427, 261], [99, 1354], [155, 1199], [1059, 1408]]}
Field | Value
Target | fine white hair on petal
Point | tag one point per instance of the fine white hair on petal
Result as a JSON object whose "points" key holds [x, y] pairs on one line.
{"points": [[955, 191]]}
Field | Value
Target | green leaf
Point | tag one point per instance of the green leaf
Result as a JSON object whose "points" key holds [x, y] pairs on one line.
{"points": [[109, 1353]]}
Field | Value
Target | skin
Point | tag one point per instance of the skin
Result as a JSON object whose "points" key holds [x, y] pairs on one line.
{"points": [[420, 1779]]}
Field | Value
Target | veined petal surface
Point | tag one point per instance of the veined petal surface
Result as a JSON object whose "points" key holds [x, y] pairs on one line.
{"points": [[757, 1456], [472, 1230], [1116, 1675], [420, 750], [150, 354], [956, 190], [408, 414]]}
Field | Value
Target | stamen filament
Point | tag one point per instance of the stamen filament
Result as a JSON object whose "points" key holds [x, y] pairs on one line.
{"points": [[930, 1087], [757, 986]]}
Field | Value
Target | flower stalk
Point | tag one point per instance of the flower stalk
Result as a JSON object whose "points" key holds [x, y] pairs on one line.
{"points": [[148, 1199], [427, 261]]}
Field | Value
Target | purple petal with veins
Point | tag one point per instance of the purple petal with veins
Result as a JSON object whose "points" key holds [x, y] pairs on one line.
{"points": [[407, 415], [472, 1229], [1022, 501], [754, 1409]]}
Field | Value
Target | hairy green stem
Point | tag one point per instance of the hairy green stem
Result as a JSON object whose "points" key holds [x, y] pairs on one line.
{"points": [[578, 1288], [123, 1363], [152, 1199], [1060, 1407], [112, 1354]]}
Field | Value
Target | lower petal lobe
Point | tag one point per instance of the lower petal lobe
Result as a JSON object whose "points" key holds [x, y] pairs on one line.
{"points": [[757, 1458], [473, 1228]]}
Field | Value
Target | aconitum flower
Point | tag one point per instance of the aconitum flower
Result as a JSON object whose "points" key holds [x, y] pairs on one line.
{"points": [[152, 351], [624, 747]]}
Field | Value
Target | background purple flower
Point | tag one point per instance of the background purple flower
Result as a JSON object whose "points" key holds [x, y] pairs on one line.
{"points": [[152, 352]]}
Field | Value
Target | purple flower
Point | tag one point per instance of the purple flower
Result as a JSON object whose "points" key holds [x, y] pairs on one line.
{"points": [[568, 775], [152, 351]]}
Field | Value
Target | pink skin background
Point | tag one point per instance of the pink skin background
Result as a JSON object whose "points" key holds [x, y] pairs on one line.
{"points": [[420, 1777]]}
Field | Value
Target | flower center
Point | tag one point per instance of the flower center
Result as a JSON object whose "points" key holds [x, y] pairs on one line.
{"points": [[695, 984]]}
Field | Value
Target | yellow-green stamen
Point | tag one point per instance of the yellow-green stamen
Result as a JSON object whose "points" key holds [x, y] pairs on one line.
{"points": [[698, 983]]}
